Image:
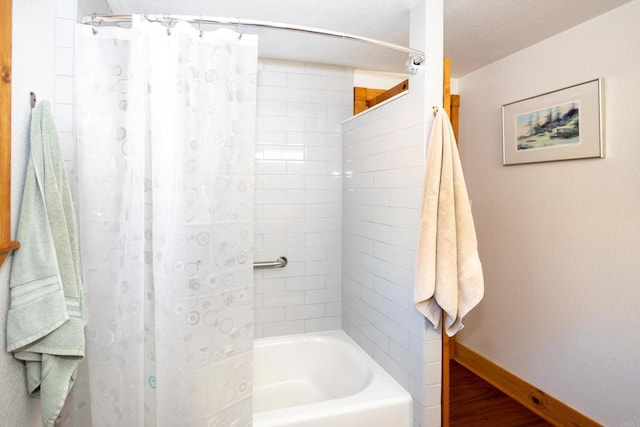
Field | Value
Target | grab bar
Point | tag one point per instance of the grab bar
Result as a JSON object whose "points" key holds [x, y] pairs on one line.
{"points": [[280, 262]]}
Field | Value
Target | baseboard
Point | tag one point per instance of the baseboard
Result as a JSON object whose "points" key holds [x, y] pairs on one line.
{"points": [[546, 406]]}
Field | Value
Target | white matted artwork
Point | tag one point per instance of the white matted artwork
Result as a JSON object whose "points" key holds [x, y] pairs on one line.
{"points": [[561, 125]]}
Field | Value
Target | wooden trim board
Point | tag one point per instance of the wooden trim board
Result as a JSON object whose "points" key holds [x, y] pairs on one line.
{"points": [[539, 402], [364, 98], [6, 245], [455, 114], [445, 398], [361, 95], [389, 93]]}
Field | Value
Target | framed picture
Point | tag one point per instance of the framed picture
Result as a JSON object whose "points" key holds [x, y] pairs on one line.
{"points": [[560, 125]]}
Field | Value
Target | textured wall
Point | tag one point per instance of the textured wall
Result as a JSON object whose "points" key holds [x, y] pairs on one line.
{"points": [[559, 241], [298, 194]]}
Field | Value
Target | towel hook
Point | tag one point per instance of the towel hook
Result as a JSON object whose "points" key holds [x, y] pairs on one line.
{"points": [[32, 99], [435, 110]]}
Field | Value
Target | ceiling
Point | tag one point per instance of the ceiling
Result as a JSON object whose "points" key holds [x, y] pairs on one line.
{"points": [[477, 32]]}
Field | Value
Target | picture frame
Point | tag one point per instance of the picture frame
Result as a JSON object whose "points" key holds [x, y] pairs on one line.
{"points": [[565, 124]]}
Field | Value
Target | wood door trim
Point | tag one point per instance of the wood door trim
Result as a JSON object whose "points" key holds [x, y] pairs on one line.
{"points": [[6, 244], [445, 383]]}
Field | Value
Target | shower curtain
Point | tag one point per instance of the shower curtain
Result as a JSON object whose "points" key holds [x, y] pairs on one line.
{"points": [[165, 130]]}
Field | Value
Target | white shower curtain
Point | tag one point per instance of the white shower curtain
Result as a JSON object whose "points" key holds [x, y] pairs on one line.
{"points": [[165, 128]]}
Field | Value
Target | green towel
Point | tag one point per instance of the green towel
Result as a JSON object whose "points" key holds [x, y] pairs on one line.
{"points": [[45, 323]]}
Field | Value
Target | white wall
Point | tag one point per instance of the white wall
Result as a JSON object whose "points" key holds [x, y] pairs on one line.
{"points": [[298, 194], [560, 241], [377, 79], [384, 162], [88, 7]]}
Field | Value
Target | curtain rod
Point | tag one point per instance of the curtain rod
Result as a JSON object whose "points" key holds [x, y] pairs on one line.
{"points": [[416, 57]]}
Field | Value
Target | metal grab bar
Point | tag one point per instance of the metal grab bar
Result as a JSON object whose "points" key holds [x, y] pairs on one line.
{"points": [[280, 262]]}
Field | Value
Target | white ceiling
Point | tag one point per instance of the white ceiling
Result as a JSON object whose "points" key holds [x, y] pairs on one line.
{"points": [[477, 32]]}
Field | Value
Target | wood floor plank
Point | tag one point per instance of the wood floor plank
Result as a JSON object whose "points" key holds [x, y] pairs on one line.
{"points": [[476, 403]]}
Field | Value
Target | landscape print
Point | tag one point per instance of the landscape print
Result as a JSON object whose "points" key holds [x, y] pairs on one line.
{"points": [[549, 126]]}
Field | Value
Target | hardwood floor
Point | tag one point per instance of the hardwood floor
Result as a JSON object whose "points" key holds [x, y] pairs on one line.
{"points": [[476, 403]]}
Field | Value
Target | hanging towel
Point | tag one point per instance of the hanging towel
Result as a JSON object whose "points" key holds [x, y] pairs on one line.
{"points": [[45, 323], [448, 269]]}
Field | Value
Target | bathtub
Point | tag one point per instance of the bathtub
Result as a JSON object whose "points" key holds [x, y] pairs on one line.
{"points": [[324, 380]]}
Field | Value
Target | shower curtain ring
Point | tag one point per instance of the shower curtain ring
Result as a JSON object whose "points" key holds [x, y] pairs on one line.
{"points": [[93, 28], [239, 29], [167, 17], [200, 26]]}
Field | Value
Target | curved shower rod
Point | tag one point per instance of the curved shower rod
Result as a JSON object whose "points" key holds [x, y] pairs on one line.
{"points": [[416, 57]]}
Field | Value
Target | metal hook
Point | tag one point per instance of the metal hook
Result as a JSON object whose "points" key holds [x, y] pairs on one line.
{"points": [[200, 26], [32, 99], [435, 110], [239, 29]]}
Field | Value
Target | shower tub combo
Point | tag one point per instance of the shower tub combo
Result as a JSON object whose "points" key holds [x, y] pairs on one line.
{"points": [[324, 379]]}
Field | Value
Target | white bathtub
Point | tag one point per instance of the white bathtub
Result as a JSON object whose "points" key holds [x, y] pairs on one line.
{"points": [[324, 380]]}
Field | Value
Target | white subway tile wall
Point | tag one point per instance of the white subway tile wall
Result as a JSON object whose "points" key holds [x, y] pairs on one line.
{"points": [[384, 159], [298, 167], [64, 90]]}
